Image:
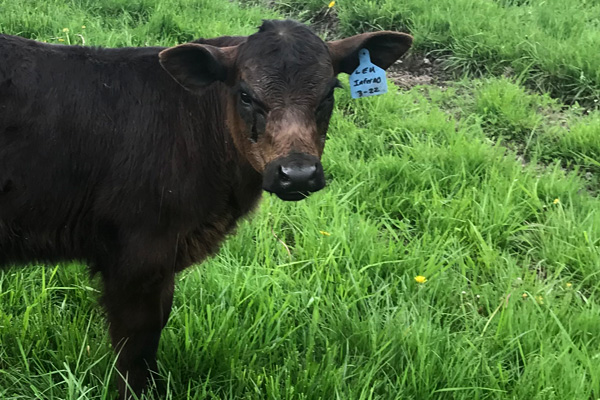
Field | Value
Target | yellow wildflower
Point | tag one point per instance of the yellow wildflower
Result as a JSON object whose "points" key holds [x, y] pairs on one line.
{"points": [[332, 4], [82, 26], [61, 40], [540, 299], [65, 30], [556, 201], [524, 295], [420, 279], [324, 233], [569, 284]]}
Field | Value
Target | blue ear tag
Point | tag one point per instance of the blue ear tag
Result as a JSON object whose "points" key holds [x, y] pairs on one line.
{"points": [[368, 79]]}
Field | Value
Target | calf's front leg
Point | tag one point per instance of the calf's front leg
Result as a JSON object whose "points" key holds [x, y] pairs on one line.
{"points": [[138, 308]]}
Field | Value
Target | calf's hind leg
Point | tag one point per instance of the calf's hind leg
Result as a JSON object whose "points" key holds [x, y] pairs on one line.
{"points": [[138, 308]]}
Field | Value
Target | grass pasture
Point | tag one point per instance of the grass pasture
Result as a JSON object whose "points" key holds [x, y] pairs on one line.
{"points": [[486, 186], [551, 45]]}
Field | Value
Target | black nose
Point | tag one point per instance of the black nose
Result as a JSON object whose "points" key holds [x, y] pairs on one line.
{"points": [[297, 173], [294, 177]]}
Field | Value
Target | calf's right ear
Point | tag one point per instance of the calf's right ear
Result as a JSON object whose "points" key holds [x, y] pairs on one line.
{"points": [[195, 66], [384, 47]]}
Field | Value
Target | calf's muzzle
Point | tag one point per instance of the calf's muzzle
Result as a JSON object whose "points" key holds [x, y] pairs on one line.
{"points": [[294, 177]]}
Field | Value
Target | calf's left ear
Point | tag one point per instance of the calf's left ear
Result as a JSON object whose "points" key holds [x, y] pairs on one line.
{"points": [[195, 66], [384, 48]]}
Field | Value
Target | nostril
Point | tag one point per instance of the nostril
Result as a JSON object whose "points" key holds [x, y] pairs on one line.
{"points": [[284, 174]]}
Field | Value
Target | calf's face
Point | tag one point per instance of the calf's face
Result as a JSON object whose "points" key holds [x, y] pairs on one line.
{"points": [[281, 82]]}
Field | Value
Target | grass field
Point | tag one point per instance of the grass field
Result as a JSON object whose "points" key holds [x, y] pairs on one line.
{"points": [[486, 186], [552, 45]]}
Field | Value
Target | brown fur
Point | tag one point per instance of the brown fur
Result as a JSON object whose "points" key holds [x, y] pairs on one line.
{"points": [[139, 161]]}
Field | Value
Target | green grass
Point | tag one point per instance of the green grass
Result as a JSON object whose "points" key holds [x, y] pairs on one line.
{"points": [[538, 128], [552, 44], [117, 23], [457, 184]]}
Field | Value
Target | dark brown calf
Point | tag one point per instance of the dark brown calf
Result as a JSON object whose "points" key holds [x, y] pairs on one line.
{"points": [[138, 162]]}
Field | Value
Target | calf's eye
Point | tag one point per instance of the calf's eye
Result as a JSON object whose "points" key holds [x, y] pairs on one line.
{"points": [[246, 99], [326, 103]]}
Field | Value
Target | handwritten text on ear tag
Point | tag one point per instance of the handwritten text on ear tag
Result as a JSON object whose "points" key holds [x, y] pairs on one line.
{"points": [[368, 79]]}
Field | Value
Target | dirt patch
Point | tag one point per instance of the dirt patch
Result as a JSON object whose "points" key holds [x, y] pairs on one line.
{"points": [[326, 24], [418, 69]]}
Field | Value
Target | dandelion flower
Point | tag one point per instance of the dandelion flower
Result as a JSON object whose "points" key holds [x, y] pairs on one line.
{"points": [[524, 295], [82, 26], [556, 201], [324, 233], [332, 4], [569, 284], [65, 30], [420, 279]]}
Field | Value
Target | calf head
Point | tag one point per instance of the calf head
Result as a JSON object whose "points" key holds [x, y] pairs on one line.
{"points": [[281, 82]]}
